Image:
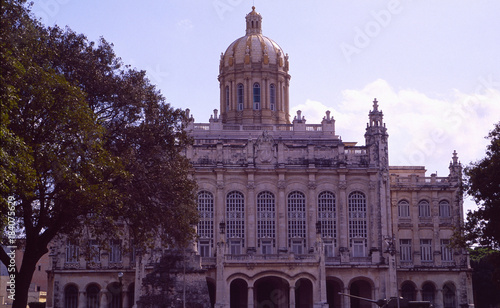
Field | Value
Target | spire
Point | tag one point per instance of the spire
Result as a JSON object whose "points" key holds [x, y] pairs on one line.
{"points": [[254, 22], [375, 115]]}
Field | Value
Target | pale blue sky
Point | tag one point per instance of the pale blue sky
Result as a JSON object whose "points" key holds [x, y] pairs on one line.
{"points": [[434, 66]]}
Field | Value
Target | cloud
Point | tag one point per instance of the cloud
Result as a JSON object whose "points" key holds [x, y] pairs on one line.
{"points": [[423, 130], [185, 24]]}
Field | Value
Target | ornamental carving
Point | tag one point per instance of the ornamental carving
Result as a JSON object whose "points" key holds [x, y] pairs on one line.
{"points": [[265, 149]]}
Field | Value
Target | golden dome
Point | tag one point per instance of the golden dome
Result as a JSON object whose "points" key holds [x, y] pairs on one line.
{"points": [[254, 47]]}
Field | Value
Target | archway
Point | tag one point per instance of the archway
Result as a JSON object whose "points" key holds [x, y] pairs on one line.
{"points": [[361, 288], [239, 294], [211, 291], [71, 296], [303, 293], [408, 291], [333, 288], [272, 292]]}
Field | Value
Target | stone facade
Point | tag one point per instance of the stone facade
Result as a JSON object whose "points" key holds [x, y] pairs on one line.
{"points": [[290, 214]]}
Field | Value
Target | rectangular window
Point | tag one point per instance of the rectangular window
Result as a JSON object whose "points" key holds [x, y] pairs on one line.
{"points": [[95, 251], [72, 252], [426, 250], [329, 249], [204, 248], [405, 250], [297, 247], [115, 251], [266, 247], [358, 248], [446, 251], [235, 247]]}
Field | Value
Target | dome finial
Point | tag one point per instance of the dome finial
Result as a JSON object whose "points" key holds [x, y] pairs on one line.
{"points": [[254, 22]]}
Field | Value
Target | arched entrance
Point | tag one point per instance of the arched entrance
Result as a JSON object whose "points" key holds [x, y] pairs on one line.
{"points": [[303, 293], [211, 291], [361, 288], [271, 292], [239, 294], [333, 288]]}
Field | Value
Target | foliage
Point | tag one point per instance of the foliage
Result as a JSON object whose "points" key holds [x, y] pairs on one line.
{"points": [[482, 182], [86, 142], [486, 277]]}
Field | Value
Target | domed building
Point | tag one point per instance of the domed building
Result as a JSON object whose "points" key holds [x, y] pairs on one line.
{"points": [[290, 214]]}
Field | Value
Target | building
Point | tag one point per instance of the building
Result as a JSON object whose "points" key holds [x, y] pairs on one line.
{"points": [[290, 214]]}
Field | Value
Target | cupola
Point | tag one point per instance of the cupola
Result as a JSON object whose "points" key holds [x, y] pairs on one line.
{"points": [[254, 78]]}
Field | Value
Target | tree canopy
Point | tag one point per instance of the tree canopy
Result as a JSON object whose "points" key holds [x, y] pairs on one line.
{"points": [[85, 141], [482, 182]]}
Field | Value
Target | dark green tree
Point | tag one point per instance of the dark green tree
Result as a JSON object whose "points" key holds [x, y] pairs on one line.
{"points": [[85, 142], [482, 182]]}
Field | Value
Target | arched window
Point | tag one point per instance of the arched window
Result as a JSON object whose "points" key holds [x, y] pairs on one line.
{"points": [[206, 222], [403, 209], [297, 221], [327, 217], [272, 97], [235, 221], [227, 97], [428, 292], [71, 297], [357, 223], [256, 96], [239, 96], [93, 296], [424, 209], [449, 297], [266, 221], [444, 209], [116, 291], [408, 291]]}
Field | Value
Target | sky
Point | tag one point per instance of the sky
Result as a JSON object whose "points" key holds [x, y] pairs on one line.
{"points": [[434, 66]]}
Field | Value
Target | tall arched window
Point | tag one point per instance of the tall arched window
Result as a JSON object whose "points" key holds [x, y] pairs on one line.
{"points": [[266, 221], [239, 96], [256, 96], [444, 209], [93, 296], [403, 209], [408, 291], [227, 97], [297, 221], [272, 97], [115, 290], [71, 297], [424, 209], [449, 297], [357, 223], [327, 217], [206, 223], [428, 292], [235, 221]]}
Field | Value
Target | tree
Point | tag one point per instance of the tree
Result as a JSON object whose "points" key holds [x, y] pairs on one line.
{"points": [[482, 182], [85, 142]]}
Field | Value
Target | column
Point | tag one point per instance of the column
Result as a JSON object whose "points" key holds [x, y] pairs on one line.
{"points": [[250, 297], [292, 295], [104, 298], [282, 213], [82, 301], [250, 212], [125, 303], [438, 303]]}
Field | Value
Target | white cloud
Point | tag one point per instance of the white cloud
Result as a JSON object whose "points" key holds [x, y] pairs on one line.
{"points": [[185, 24], [423, 131]]}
